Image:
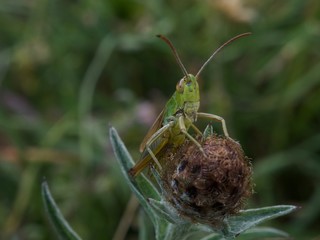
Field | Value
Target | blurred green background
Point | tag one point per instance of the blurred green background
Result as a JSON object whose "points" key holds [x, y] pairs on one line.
{"points": [[71, 68]]}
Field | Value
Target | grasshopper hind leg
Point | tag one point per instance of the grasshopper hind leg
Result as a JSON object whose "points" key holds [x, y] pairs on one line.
{"points": [[154, 157], [153, 146]]}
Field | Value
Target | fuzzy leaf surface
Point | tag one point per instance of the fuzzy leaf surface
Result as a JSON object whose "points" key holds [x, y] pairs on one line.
{"points": [[252, 217], [58, 222]]}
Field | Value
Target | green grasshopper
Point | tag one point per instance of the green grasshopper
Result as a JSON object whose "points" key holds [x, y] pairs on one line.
{"points": [[180, 113]]}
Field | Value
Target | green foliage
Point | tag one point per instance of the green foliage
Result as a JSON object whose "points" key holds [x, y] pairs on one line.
{"points": [[61, 226], [68, 68]]}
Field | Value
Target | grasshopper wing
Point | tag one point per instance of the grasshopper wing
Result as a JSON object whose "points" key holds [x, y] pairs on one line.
{"points": [[155, 126]]}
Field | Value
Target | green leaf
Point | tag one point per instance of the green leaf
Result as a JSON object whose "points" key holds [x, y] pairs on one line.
{"points": [[141, 186], [175, 231], [164, 210], [208, 131], [60, 225], [251, 217], [213, 236], [146, 229], [263, 232]]}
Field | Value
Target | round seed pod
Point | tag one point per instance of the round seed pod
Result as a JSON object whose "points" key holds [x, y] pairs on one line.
{"points": [[207, 188]]}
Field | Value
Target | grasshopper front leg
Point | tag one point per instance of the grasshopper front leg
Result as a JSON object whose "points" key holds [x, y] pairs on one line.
{"points": [[196, 129], [216, 118], [183, 129]]}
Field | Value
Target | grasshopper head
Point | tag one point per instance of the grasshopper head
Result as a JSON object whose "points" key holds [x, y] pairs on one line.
{"points": [[188, 89]]}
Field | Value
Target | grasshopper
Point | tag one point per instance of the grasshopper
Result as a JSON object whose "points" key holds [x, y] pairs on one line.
{"points": [[179, 114]]}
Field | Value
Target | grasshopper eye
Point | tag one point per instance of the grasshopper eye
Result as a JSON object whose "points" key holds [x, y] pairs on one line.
{"points": [[180, 86]]}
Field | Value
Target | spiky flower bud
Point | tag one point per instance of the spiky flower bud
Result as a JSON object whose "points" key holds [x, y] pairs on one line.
{"points": [[206, 189]]}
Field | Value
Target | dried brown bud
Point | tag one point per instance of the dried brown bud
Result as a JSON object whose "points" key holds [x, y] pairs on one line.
{"points": [[206, 189]]}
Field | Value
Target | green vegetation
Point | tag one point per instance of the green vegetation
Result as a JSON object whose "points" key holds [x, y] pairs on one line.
{"points": [[70, 68]]}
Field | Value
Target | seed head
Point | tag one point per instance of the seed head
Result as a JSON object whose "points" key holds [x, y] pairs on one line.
{"points": [[206, 189]]}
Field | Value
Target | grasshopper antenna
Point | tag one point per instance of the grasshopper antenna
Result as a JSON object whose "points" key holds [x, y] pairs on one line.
{"points": [[175, 53], [218, 50]]}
